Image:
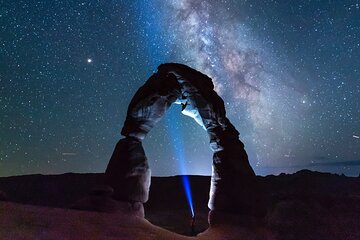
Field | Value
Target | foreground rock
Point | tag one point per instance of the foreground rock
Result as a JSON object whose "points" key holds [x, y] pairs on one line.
{"points": [[29, 222], [304, 205], [41, 223]]}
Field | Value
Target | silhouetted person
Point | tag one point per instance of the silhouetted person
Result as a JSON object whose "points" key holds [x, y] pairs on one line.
{"points": [[192, 225]]}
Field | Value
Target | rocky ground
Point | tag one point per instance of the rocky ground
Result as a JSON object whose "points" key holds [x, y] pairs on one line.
{"points": [[304, 205]]}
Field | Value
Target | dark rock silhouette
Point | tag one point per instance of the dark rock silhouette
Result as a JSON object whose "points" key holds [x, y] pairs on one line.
{"points": [[100, 200], [3, 196], [233, 183], [304, 205]]}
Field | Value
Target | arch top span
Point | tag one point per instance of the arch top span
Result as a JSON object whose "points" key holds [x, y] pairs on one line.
{"points": [[128, 171], [180, 84]]}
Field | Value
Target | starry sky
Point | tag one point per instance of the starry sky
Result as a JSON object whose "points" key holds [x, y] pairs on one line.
{"points": [[288, 72]]}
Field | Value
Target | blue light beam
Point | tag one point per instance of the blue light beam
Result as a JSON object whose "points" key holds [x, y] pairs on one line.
{"points": [[157, 47], [186, 183], [177, 141]]}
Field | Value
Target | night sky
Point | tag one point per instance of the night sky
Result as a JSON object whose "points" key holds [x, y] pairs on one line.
{"points": [[288, 72]]}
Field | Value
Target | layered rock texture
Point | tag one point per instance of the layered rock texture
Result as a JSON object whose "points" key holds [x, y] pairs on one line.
{"points": [[233, 183]]}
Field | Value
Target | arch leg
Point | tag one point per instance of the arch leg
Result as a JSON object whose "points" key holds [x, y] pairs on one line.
{"points": [[128, 171], [234, 187]]}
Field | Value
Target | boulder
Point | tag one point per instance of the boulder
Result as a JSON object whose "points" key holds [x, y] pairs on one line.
{"points": [[3, 196]]}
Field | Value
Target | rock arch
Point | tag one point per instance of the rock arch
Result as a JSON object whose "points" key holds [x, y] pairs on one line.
{"points": [[128, 172]]}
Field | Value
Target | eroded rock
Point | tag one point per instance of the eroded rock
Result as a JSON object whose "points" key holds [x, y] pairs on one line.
{"points": [[233, 184]]}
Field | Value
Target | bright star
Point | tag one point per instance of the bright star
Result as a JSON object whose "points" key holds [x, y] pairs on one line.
{"points": [[89, 60]]}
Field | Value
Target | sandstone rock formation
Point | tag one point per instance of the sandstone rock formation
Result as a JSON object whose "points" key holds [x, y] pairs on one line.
{"points": [[233, 184]]}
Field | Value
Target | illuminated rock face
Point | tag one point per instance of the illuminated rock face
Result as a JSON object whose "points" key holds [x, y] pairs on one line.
{"points": [[128, 172]]}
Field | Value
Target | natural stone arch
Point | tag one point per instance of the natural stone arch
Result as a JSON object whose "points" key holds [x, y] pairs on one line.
{"points": [[233, 179]]}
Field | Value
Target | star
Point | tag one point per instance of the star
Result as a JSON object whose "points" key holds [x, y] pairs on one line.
{"points": [[282, 92]]}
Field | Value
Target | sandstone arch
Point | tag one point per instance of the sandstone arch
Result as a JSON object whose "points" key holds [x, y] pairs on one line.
{"points": [[233, 180]]}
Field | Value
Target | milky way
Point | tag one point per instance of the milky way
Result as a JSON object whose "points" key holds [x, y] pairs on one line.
{"points": [[275, 105], [288, 73], [226, 50]]}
